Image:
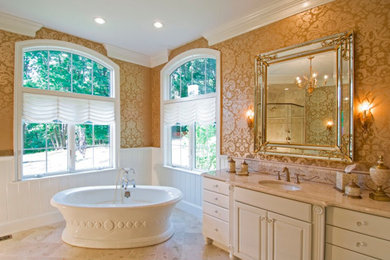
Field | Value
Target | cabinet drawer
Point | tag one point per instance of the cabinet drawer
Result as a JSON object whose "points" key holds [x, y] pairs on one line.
{"points": [[287, 207], [216, 211], [337, 253], [216, 198], [216, 186], [216, 229], [360, 243], [360, 222]]}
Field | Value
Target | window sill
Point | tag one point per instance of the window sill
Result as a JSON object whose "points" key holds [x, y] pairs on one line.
{"points": [[183, 170], [67, 174]]}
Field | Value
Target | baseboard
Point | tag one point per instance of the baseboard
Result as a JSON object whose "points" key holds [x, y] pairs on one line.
{"points": [[190, 208], [15, 226]]}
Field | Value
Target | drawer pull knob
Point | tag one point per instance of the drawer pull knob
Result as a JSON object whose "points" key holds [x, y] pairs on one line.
{"points": [[216, 211], [215, 198], [361, 223], [360, 244], [216, 230], [216, 186]]}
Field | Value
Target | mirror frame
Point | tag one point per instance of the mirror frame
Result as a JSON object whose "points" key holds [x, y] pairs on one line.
{"points": [[343, 45]]}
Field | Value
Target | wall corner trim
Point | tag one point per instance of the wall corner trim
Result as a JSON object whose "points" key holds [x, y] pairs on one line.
{"points": [[127, 55], [18, 25], [160, 58], [136, 57], [274, 12]]}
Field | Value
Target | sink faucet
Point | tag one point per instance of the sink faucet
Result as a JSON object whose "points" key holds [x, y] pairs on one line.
{"points": [[285, 170]]}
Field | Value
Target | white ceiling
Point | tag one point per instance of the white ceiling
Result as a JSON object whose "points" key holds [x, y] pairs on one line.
{"points": [[129, 33], [130, 22]]}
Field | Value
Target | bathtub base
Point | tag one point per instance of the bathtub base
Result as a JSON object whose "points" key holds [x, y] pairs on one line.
{"points": [[123, 242]]}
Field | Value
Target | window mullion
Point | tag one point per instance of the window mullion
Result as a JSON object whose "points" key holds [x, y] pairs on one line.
{"points": [[93, 145], [46, 157], [169, 147], [192, 146], [48, 70], [71, 148], [205, 76], [71, 72]]}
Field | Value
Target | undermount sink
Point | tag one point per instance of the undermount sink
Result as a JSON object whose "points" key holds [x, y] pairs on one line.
{"points": [[280, 185]]}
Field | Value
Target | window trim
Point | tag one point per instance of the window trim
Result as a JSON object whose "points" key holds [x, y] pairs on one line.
{"points": [[164, 98], [19, 90]]}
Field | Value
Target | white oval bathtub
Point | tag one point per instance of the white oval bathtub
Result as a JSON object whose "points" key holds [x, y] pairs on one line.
{"points": [[95, 219]]}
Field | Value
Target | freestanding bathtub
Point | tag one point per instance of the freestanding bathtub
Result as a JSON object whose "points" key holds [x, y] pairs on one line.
{"points": [[100, 217]]}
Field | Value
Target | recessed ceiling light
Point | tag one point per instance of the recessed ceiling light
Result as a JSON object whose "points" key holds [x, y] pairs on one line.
{"points": [[305, 4], [158, 24], [99, 20], [286, 89]]}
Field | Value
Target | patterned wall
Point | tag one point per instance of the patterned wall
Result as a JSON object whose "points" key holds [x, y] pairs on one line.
{"points": [[135, 87], [370, 19], [321, 107]]}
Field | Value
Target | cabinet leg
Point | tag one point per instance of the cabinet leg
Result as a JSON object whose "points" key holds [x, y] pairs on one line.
{"points": [[208, 240], [231, 256]]}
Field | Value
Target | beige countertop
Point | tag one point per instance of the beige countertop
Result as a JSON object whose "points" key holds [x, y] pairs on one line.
{"points": [[311, 192]]}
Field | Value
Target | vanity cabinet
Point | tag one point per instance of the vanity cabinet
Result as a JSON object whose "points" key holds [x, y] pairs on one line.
{"points": [[355, 235], [268, 227], [216, 214]]}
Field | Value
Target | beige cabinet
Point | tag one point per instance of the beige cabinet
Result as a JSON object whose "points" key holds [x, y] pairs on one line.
{"points": [[261, 234], [216, 214], [355, 235], [250, 232], [288, 238]]}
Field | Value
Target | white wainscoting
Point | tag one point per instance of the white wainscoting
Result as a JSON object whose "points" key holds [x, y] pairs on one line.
{"points": [[141, 160], [26, 204], [189, 183]]}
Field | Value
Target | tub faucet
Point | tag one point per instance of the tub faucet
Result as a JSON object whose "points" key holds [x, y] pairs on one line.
{"points": [[126, 178]]}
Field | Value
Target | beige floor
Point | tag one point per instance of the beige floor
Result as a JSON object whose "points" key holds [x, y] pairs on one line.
{"points": [[45, 243]]}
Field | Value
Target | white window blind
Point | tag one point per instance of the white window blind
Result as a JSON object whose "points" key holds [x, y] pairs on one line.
{"points": [[201, 111], [46, 108]]}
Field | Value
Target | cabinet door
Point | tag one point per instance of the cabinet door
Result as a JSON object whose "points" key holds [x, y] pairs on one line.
{"points": [[249, 232], [288, 238]]}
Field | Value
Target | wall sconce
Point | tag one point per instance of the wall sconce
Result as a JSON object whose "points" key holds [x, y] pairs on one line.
{"points": [[250, 117], [329, 125], [365, 114]]}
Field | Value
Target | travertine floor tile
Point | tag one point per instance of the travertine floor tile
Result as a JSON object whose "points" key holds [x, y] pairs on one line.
{"points": [[45, 243]]}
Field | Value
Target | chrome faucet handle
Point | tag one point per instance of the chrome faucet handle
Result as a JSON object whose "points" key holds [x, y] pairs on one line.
{"points": [[297, 177], [278, 173]]}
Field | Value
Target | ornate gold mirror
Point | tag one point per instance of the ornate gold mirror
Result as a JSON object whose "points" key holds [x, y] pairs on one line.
{"points": [[304, 100]]}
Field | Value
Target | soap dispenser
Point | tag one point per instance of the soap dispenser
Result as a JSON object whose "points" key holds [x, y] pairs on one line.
{"points": [[352, 190]]}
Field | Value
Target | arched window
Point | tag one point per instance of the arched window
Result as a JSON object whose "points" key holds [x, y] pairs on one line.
{"points": [[66, 109], [190, 86]]}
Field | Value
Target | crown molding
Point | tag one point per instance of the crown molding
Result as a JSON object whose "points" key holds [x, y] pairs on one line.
{"points": [[275, 12], [127, 55], [18, 25], [159, 59], [136, 57]]}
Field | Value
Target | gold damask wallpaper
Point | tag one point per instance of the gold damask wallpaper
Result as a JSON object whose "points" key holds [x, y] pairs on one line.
{"points": [[369, 19], [135, 91]]}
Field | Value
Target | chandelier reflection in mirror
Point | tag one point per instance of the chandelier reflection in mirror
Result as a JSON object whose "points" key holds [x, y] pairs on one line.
{"points": [[310, 82]]}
